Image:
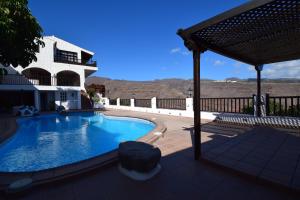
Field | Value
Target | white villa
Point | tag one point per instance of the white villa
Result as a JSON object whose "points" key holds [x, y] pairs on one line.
{"points": [[56, 78]]}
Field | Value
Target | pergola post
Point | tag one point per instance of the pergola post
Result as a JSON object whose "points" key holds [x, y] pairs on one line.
{"points": [[258, 69], [196, 103]]}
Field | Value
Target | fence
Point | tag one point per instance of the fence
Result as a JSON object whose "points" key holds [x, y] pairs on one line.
{"points": [[283, 105], [113, 102], [178, 104], [18, 79], [125, 102], [271, 105], [74, 60], [145, 103], [243, 105]]}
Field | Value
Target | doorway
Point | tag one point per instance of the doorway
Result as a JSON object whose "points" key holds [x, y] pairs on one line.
{"points": [[47, 100]]}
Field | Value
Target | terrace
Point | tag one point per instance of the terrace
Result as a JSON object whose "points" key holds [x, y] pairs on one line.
{"points": [[181, 177]]}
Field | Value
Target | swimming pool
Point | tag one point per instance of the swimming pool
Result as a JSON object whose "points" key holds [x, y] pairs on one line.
{"points": [[50, 141]]}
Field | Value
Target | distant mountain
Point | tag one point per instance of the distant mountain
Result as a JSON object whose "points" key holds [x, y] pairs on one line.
{"points": [[178, 88]]}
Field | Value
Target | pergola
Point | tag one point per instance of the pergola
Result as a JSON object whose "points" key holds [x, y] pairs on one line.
{"points": [[258, 32]]}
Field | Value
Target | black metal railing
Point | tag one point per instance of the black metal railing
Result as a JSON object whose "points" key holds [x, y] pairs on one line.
{"points": [[229, 105], [75, 61], [171, 103], [113, 102], [283, 105], [66, 82], [146, 103], [125, 102], [17, 79]]}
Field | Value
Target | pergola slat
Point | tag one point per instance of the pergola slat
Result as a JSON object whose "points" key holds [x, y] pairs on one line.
{"points": [[258, 32]]}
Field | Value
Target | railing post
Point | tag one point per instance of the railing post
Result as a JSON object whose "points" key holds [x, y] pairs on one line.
{"points": [[254, 104], [118, 102], [267, 104], [153, 103], [189, 106], [106, 101], [132, 104]]}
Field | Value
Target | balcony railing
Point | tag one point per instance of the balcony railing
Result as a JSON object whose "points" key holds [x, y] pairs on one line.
{"points": [[15, 79], [75, 61]]}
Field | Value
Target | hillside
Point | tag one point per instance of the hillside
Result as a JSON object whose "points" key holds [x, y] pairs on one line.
{"points": [[178, 88]]}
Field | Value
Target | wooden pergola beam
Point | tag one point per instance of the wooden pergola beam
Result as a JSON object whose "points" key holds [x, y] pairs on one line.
{"points": [[197, 51], [196, 103]]}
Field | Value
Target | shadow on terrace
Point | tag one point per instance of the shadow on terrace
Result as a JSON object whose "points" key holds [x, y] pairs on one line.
{"points": [[265, 153]]}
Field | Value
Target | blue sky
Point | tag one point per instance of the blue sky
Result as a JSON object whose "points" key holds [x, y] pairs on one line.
{"points": [[136, 39]]}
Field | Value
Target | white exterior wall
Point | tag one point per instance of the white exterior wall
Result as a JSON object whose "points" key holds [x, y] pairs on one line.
{"points": [[45, 60], [73, 99]]}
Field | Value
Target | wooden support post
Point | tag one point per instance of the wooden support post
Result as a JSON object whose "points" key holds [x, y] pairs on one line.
{"points": [[267, 102], [197, 112], [258, 69]]}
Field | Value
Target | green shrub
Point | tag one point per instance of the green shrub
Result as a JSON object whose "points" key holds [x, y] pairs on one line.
{"points": [[248, 110]]}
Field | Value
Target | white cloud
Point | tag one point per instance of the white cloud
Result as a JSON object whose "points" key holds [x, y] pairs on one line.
{"points": [[175, 50], [179, 51], [219, 62], [238, 64], [185, 53], [290, 69], [251, 68]]}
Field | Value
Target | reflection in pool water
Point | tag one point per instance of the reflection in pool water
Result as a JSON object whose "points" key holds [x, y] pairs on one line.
{"points": [[49, 141]]}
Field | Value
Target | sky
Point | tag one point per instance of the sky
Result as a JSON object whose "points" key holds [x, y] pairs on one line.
{"points": [[137, 40]]}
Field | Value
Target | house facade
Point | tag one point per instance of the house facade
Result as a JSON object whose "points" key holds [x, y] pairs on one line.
{"points": [[56, 78]]}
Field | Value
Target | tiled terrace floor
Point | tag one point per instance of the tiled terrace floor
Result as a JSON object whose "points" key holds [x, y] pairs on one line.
{"points": [[268, 153], [184, 178]]}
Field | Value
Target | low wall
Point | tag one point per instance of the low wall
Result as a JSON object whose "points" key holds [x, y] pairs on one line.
{"points": [[281, 121], [188, 112]]}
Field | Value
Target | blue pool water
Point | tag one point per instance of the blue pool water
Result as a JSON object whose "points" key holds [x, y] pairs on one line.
{"points": [[49, 141]]}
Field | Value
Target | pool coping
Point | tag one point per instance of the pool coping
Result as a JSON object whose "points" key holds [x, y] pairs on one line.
{"points": [[80, 167]]}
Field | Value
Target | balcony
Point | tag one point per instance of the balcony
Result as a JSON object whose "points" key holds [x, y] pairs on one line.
{"points": [[74, 60], [16, 79]]}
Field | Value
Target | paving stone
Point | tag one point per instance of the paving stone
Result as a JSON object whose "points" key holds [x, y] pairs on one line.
{"points": [[276, 176], [296, 182], [248, 168], [226, 161], [256, 161]]}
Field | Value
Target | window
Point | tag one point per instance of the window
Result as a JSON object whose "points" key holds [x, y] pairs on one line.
{"points": [[63, 96]]}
